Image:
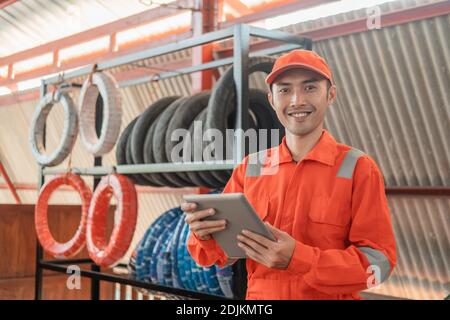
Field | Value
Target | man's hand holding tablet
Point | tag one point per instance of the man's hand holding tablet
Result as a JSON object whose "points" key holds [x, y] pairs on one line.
{"points": [[201, 228]]}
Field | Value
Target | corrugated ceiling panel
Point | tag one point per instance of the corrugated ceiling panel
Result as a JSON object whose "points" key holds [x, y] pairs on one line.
{"points": [[25, 24]]}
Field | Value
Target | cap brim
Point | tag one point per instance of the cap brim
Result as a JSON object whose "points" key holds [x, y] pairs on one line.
{"points": [[271, 77]]}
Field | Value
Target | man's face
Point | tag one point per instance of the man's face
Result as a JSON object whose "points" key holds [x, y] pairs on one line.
{"points": [[300, 98]]}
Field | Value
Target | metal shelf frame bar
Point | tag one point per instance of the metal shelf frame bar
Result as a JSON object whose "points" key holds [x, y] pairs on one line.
{"points": [[146, 168], [62, 266]]}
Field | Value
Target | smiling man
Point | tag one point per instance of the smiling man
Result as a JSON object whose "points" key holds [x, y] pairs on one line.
{"points": [[325, 203]]}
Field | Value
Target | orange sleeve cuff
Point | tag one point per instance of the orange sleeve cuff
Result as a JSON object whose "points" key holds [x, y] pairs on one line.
{"points": [[205, 244], [302, 259], [206, 252]]}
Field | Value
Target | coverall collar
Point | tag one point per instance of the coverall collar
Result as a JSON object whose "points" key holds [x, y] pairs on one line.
{"points": [[324, 151]]}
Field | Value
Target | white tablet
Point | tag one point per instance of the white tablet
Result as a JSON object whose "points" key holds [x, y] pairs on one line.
{"points": [[239, 214]]}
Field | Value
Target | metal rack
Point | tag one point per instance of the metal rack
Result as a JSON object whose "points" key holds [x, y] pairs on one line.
{"points": [[241, 34]]}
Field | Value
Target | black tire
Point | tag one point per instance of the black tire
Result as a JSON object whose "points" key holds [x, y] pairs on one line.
{"points": [[224, 175], [223, 97], [261, 116], [183, 118], [159, 149], [137, 178], [121, 151], [186, 114], [265, 116], [239, 279], [200, 178], [148, 158], [122, 143], [137, 136], [211, 175], [143, 124]]}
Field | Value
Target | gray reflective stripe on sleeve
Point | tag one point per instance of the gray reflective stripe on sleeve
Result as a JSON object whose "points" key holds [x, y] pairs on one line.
{"points": [[255, 164], [349, 163], [378, 259]]}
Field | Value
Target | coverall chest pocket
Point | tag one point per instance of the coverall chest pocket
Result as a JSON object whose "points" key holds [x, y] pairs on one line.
{"points": [[260, 205], [323, 211]]}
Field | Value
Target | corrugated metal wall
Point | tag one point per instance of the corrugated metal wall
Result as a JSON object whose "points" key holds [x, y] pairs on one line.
{"points": [[422, 229], [394, 99], [393, 103]]}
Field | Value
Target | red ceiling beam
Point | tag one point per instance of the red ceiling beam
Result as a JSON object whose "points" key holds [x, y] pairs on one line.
{"points": [[109, 30], [19, 97], [98, 32], [421, 191], [389, 19], [272, 10], [392, 18], [203, 22], [141, 72], [5, 3], [138, 72], [239, 7], [9, 184], [356, 26], [98, 57], [140, 189]]}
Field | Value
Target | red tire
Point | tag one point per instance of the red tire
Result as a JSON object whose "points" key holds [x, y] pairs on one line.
{"points": [[108, 254], [49, 244]]}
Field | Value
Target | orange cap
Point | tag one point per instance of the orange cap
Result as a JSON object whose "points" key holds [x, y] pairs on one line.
{"points": [[304, 59]]}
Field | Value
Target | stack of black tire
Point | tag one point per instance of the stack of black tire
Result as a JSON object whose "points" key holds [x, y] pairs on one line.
{"points": [[148, 138]]}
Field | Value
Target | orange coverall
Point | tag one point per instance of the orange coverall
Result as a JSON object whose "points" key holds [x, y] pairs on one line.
{"points": [[333, 204]]}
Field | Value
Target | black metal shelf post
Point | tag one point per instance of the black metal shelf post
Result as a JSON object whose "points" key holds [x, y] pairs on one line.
{"points": [[95, 283], [241, 34], [39, 251]]}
